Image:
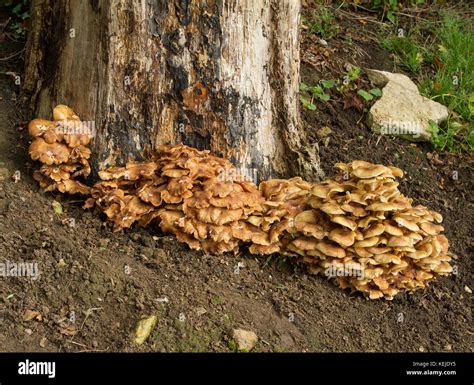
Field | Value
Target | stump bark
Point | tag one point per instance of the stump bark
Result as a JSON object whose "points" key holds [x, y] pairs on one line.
{"points": [[217, 75]]}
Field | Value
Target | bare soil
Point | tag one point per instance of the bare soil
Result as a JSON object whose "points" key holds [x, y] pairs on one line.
{"points": [[95, 284]]}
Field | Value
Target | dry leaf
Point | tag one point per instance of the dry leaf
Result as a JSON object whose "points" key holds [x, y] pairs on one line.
{"points": [[68, 330], [28, 315]]}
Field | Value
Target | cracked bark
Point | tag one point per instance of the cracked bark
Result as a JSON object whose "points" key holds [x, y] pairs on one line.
{"points": [[219, 75]]}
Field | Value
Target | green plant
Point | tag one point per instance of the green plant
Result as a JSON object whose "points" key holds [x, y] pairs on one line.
{"points": [[389, 8], [445, 69], [347, 82], [370, 95], [453, 82], [322, 23], [317, 92], [20, 13], [386, 8], [408, 53], [451, 135]]}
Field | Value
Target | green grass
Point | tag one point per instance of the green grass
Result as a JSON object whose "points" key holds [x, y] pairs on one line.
{"points": [[321, 22], [445, 71], [408, 53], [453, 83]]}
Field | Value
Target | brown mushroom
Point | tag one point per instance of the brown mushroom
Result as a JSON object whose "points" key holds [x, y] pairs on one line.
{"points": [[47, 153]]}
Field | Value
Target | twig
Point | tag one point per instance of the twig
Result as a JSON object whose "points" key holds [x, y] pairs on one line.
{"points": [[12, 55], [78, 344], [6, 23], [355, 17]]}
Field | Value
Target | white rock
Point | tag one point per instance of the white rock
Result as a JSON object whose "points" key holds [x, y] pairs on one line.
{"points": [[246, 340], [402, 111]]}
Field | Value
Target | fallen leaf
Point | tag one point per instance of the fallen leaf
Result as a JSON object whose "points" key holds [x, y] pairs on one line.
{"points": [[68, 330], [144, 328], [57, 207], [28, 315], [353, 101]]}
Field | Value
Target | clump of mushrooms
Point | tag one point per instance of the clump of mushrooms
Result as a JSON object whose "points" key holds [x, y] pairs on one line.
{"points": [[62, 149], [374, 240], [196, 196], [357, 227]]}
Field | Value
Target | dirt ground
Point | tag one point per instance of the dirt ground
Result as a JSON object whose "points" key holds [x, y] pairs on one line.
{"points": [[94, 285]]}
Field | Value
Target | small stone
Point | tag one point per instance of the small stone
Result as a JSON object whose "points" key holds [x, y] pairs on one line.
{"points": [[246, 340], [467, 289], [448, 347], [16, 176], [323, 42], [421, 349], [200, 311], [43, 342], [28, 332], [95, 344]]}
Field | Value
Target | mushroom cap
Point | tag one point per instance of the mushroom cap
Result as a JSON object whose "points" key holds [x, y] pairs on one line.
{"points": [[58, 172], [62, 112], [368, 242], [365, 170], [343, 237], [381, 283], [387, 258], [412, 226], [443, 241], [324, 190], [443, 268], [374, 230], [357, 211], [305, 243], [48, 153], [392, 228], [331, 250], [430, 228], [402, 241], [381, 206], [73, 187], [215, 215], [264, 250], [344, 221], [396, 172], [37, 127]]}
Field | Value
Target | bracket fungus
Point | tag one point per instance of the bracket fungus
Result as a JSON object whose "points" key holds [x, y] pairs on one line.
{"points": [[357, 222]]}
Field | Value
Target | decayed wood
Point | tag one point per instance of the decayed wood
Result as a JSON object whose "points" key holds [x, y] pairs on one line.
{"points": [[221, 75]]}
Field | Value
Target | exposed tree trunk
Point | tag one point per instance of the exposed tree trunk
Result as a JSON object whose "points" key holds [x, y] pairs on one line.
{"points": [[221, 75]]}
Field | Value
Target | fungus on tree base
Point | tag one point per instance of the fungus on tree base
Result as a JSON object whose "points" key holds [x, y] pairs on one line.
{"points": [[61, 145], [356, 227]]}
